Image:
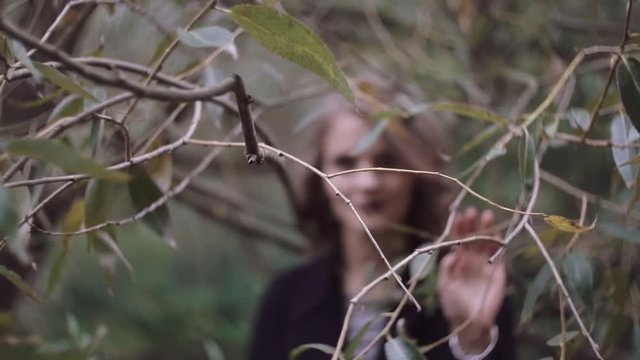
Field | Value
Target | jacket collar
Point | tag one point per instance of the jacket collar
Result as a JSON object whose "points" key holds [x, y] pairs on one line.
{"points": [[325, 287]]}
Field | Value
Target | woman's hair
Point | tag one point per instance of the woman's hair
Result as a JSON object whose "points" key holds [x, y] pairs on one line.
{"points": [[417, 139]]}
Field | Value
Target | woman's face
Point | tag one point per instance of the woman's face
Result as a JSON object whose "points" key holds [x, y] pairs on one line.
{"points": [[381, 198]]}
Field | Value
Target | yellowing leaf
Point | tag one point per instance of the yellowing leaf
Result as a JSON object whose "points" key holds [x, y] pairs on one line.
{"points": [[285, 36], [74, 219], [563, 224]]}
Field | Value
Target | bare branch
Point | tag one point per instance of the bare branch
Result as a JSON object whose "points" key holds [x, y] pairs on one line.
{"points": [[439, 174], [612, 70], [563, 288], [118, 81], [335, 190]]}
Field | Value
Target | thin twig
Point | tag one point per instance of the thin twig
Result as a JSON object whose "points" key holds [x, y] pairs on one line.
{"points": [[439, 174], [165, 55], [37, 208], [116, 80], [525, 218], [197, 114], [61, 125], [563, 288], [204, 63], [125, 134], [325, 177], [594, 142], [133, 161], [592, 198], [612, 70], [171, 118], [63, 13], [583, 215], [370, 9], [563, 326], [414, 281]]}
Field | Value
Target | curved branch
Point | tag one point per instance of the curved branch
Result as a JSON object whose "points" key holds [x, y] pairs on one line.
{"points": [[118, 81]]}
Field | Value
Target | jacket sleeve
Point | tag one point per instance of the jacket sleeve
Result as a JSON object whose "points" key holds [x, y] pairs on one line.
{"points": [[268, 338], [505, 347]]}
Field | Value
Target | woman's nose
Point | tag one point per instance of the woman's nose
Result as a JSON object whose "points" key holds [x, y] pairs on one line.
{"points": [[367, 180]]}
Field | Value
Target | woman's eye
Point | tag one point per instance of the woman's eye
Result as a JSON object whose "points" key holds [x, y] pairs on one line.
{"points": [[385, 160], [345, 162]]}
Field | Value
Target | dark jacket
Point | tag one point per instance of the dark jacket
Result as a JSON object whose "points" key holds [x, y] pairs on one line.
{"points": [[307, 305]]}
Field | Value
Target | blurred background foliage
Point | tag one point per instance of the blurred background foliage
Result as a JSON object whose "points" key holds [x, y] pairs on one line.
{"points": [[196, 289]]}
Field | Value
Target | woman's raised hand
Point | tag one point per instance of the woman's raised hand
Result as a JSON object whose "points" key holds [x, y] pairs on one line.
{"points": [[469, 287]]}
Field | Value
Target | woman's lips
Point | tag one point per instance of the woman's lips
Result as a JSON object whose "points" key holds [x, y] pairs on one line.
{"points": [[372, 207]]}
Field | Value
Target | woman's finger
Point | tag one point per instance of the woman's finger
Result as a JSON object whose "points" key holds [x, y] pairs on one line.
{"points": [[487, 219]]}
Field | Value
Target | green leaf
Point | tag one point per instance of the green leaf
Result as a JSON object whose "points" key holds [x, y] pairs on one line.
{"points": [[626, 233], [370, 137], [534, 291], [628, 78], [616, 328], [69, 106], [99, 94], [55, 272], [15, 203], [350, 351], [577, 269], [99, 198], [401, 349], [160, 168], [471, 111], [20, 53], [479, 139], [421, 266], [64, 157], [320, 347], [16, 280], [617, 286], [213, 350], [636, 338], [62, 81], [287, 37], [8, 217], [623, 133], [206, 37], [73, 327], [558, 339], [144, 192], [579, 118], [112, 245], [40, 101]]}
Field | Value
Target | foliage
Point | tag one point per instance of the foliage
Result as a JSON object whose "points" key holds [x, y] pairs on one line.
{"points": [[513, 71]]}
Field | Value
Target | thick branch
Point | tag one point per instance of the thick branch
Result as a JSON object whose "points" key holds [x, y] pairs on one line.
{"points": [[117, 80]]}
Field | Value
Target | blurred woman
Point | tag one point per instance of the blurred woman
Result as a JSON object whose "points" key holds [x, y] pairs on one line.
{"points": [[307, 305]]}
